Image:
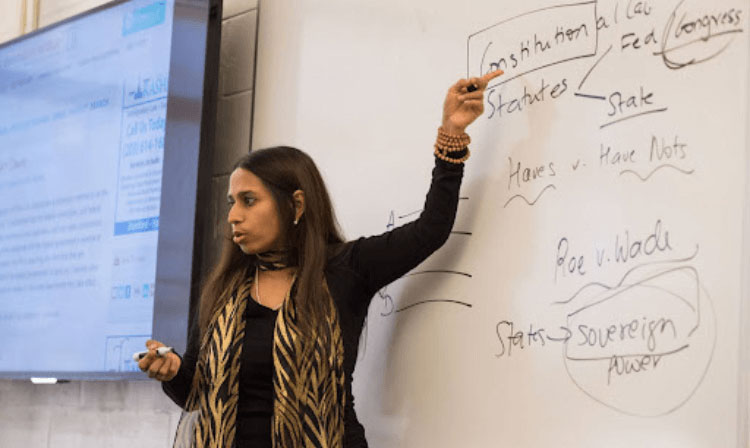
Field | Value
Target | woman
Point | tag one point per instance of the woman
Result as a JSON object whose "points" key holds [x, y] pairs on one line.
{"points": [[270, 363]]}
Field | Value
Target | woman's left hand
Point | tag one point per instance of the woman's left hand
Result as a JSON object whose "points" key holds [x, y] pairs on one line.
{"points": [[462, 107], [163, 368]]}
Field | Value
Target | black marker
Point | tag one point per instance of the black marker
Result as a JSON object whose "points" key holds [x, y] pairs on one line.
{"points": [[471, 88]]}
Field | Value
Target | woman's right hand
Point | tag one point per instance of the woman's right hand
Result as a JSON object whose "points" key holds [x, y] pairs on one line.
{"points": [[162, 368], [462, 106]]}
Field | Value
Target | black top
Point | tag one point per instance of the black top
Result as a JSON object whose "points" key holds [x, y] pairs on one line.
{"points": [[354, 275]]}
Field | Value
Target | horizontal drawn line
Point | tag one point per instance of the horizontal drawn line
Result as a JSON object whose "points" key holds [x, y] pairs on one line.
{"points": [[666, 165], [593, 97], [526, 200], [438, 271], [424, 302], [619, 120], [608, 358], [458, 232], [409, 214], [420, 210]]}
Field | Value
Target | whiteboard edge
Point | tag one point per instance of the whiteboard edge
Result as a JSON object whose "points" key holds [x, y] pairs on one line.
{"points": [[743, 402]]}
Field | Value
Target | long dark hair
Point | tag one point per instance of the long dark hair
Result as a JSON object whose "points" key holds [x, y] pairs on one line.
{"points": [[283, 170]]}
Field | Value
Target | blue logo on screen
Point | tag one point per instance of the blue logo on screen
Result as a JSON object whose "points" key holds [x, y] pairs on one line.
{"points": [[121, 292], [137, 226], [144, 18]]}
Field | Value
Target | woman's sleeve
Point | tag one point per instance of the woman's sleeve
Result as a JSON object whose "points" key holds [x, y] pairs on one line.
{"points": [[381, 259], [178, 388]]}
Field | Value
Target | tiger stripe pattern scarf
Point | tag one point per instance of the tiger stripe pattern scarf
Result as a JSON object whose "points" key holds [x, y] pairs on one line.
{"points": [[308, 381]]}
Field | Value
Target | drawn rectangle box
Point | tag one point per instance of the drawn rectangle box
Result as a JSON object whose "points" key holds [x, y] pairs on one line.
{"points": [[653, 316], [533, 41]]}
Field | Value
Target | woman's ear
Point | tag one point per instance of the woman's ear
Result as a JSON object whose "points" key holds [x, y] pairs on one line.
{"points": [[299, 205]]}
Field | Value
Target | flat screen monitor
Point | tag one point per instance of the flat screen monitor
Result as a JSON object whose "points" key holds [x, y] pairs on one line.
{"points": [[100, 138]]}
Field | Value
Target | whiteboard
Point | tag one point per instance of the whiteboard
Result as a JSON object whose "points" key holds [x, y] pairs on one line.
{"points": [[590, 294]]}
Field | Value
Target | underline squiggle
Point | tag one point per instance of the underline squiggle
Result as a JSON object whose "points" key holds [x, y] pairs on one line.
{"points": [[526, 200], [666, 165]]}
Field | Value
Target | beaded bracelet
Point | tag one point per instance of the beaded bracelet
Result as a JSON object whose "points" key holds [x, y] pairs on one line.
{"points": [[443, 134], [451, 142], [450, 148], [444, 157]]}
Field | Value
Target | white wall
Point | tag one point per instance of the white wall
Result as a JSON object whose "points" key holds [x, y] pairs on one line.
{"points": [[11, 20], [51, 11], [136, 413], [16, 17]]}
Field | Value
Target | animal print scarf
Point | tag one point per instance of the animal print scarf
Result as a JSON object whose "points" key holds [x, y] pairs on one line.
{"points": [[308, 381]]}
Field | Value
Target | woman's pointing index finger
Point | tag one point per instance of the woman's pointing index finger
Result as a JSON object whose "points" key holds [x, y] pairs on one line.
{"points": [[482, 82], [490, 76]]}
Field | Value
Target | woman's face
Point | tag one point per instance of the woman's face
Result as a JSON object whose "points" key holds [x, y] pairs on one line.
{"points": [[253, 214]]}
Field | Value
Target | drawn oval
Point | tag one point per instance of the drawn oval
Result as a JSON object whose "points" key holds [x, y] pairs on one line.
{"points": [[644, 347]]}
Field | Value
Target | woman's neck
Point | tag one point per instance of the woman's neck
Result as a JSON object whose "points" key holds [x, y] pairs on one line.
{"points": [[279, 274], [272, 287]]}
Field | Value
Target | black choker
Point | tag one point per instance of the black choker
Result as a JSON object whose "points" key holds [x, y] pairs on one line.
{"points": [[272, 260]]}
